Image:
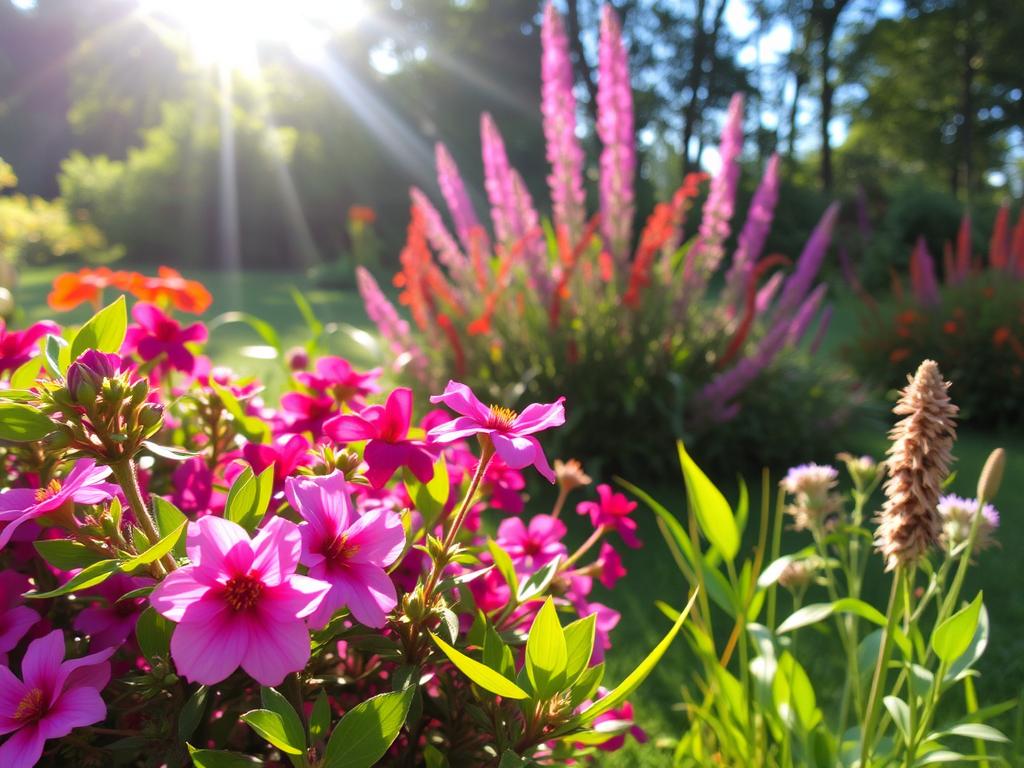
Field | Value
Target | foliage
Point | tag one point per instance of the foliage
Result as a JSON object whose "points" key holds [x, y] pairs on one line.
{"points": [[970, 323], [573, 307], [256, 571], [764, 617]]}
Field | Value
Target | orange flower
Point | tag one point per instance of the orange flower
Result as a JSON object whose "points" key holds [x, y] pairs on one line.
{"points": [[169, 287], [72, 288], [364, 214], [899, 355], [949, 327], [1001, 336]]}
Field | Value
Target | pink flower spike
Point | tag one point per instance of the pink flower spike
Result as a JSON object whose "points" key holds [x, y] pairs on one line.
{"points": [[240, 602], [52, 698], [347, 550], [83, 485], [511, 433], [612, 511], [386, 428]]}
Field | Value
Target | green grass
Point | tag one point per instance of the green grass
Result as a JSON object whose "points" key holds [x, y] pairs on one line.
{"points": [[652, 573]]}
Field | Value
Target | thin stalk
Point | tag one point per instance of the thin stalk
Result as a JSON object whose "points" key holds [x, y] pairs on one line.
{"points": [[124, 473], [877, 679], [776, 546]]}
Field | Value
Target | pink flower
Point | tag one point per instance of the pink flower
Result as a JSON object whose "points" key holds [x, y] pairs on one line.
{"points": [[387, 429], [612, 511], [240, 602], [192, 486], [511, 433], [306, 413], [531, 547], [84, 485], [107, 619], [348, 551], [619, 716], [337, 377], [18, 347], [607, 620], [52, 698], [610, 565], [15, 619], [286, 454], [157, 336]]}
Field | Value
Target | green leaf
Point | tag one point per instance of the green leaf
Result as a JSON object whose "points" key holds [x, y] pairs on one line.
{"points": [[579, 644], [510, 759], [367, 730], [900, 713], [89, 576], [27, 374], [192, 713], [429, 498], [320, 718], [168, 517], [153, 632], [587, 684], [271, 727], [55, 352], [624, 690], [169, 452], [158, 550], [104, 331], [546, 653], [262, 328], [479, 673], [65, 554], [20, 423], [497, 655], [953, 636], [217, 758], [249, 497], [973, 731], [794, 694], [504, 565], [253, 428], [714, 515], [275, 702], [538, 581], [815, 612]]}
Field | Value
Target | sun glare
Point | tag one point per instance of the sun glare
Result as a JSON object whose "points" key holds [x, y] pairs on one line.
{"points": [[228, 32]]}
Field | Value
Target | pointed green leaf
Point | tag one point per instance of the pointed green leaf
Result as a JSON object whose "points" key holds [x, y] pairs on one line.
{"points": [[538, 581], [168, 517], [271, 727], [27, 374], [275, 702], [87, 577], [900, 713], [249, 498], [219, 758], [953, 636], [367, 730], [158, 550], [65, 554], [546, 653], [20, 423], [973, 731], [429, 498], [479, 673], [320, 718], [714, 516], [104, 331], [192, 713], [633, 680], [504, 565], [579, 643], [54, 348], [153, 632]]}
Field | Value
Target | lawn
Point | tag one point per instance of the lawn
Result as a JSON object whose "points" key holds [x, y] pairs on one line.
{"points": [[652, 573]]}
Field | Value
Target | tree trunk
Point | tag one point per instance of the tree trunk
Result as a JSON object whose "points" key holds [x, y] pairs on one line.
{"points": [[693, 81], [583, 71], [798, 86]]}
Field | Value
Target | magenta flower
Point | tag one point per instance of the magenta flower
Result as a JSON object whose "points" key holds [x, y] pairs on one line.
{"points": [[18, 347], [512, 434], [52, 698], [387, 429], [286, 454], [347, 550], [337, 377], [157, 336], [617, 716], [533, 546], [240, 602], [612, 511], [306, 413], [192, 486], [83, 485], [107, 619], [15, 619], [610, 565]]}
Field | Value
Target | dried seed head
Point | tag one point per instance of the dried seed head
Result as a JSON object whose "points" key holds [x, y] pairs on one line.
{"points": [[570, 475], [919, 460]]}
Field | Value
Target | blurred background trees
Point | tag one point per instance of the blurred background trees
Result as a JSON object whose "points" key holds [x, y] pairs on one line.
{"points": [[910, 110]]}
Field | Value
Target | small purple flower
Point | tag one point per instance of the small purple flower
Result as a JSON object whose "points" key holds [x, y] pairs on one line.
{"points": [[83, 485], [957, 516]]}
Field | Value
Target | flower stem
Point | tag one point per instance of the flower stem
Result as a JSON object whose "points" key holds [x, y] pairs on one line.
{"points": [[563, 494], [585, 546], [875, 696], [124, 473]]}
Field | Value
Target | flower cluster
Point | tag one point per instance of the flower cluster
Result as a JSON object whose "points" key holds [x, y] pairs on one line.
{"points": [[583, 306], [341, 546]]}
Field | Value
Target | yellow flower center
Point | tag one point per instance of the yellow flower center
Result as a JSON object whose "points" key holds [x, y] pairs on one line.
{"points": [[49, 491], [243, 592], [32, 707], [340, 550], [501, 417]]}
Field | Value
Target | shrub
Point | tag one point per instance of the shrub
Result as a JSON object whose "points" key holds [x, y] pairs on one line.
{"points": [[232, 580], [794, 665], [971, 323], [649, 341]]}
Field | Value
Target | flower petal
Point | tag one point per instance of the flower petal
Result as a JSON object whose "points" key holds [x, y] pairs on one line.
{"points": [[456, 429], [23, 749], [276, 650], [177, 593], [517, 452], [461, 399], [294, 599], [209, 653], [538, 416], [210, 542], [397, 414], [74, 708], [379, 535], [276, 551], [41, 665], [12, 691], [349, 428], [368, 591]]}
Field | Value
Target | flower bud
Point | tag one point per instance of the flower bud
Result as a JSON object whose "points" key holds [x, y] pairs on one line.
{"points": [[992, 475], [297, 359], [151, 416], [139, 392], [86, 375]]}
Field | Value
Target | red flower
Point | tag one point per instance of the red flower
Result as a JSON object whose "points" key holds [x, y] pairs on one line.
{"points": [[363, 214], [73, 288], [170, 288]]}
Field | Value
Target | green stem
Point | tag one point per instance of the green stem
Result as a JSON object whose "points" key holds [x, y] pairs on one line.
{"points": [[877, 680], [124, 473], [585, 546]]}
